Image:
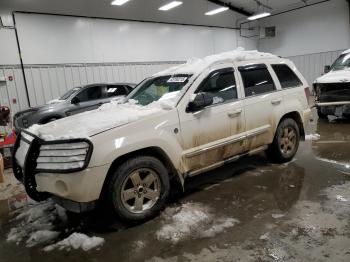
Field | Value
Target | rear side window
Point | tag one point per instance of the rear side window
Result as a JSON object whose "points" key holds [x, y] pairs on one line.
{"points": [[286, 76], [256, 79], [116, 90], [221, 84]]}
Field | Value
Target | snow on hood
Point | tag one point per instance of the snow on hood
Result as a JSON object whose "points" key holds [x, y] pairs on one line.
{"points": [[197, 65], [335, 77], [109, 115]]}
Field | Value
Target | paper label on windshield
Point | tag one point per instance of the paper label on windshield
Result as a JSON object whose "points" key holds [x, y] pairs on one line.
{"points": [[177, 79]]}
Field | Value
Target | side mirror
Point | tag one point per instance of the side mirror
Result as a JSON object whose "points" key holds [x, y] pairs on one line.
{"points": [[327, 68], [200, 101], [75, 100]]}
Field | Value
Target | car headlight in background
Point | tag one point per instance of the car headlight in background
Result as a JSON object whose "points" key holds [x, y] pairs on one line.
{"points": [[64, 156]]}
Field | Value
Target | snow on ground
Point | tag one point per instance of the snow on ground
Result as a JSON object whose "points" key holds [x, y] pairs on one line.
{"points": [[37, 224], [312, 137], [191, 220], [77, 241]]}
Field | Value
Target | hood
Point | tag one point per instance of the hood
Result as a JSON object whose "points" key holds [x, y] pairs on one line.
{"points": [[108, 116], [340, 76]]}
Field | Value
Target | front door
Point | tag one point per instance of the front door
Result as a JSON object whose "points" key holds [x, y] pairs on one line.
{"points": [[214, 133], [90, 98]]}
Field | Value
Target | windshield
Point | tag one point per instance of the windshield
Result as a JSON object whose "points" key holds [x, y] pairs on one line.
{"points": [[69, 93], [342, 62], [153, 89]]}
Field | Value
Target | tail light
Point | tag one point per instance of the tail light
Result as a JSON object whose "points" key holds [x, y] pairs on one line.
{"points": [[307, 94]]}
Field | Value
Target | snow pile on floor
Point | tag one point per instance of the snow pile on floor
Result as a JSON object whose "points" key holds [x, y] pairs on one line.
{"points": [[38, 223], [77, 241], [312, 137], [35, 224], [191, 220], [197, 65]]}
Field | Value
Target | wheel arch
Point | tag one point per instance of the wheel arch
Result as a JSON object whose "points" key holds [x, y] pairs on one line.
{"points": [[148, 151], [297, 118]]}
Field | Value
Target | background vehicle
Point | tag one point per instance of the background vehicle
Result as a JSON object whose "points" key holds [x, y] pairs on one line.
{"points": [[333, 89], [188, 120], [76, 100]]}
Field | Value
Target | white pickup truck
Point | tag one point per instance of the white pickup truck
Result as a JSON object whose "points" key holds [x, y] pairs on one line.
{"points": [[332, 90], [178, 123]]}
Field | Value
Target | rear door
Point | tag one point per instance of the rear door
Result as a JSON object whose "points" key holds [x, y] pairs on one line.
{"points": [[214, 133], [262, 104]]}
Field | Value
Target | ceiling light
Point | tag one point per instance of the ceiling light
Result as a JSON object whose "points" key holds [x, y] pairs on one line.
{"points": [[258, 16], [216, 11], [119, 2], [170, 5]]}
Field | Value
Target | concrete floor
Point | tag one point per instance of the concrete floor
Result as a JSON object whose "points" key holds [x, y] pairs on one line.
{"points": [[250, 210]]}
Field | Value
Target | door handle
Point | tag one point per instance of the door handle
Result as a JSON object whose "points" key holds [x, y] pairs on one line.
{"points": [[235, 113], [276, 101]]}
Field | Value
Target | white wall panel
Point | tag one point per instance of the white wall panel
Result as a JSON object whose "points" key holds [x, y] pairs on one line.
{"points": [[315, 29], [48, 39], [312, 65]]}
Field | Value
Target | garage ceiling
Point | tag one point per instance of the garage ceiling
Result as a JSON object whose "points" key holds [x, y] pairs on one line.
{"points": [[191, 12]]}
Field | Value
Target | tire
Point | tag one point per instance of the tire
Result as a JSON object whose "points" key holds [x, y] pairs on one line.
{"points": [[321, 115], [282, 149], [141, 179]]}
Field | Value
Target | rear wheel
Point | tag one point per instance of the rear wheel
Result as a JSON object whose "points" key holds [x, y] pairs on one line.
{"points": [[285, 143], [139, 189]]}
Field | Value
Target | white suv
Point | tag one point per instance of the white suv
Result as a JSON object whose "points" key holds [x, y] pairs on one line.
{"points": [[179, 123], [332, 90]]}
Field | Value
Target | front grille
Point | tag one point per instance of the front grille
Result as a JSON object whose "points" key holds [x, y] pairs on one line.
{"points": [[332, 92]]}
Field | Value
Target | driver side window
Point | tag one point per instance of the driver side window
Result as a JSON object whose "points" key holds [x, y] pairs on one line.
{"points": [[221, 84], [91, 93]]}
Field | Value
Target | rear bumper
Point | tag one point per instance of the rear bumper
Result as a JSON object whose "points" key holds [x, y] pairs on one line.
{"points": [[341, 103]]}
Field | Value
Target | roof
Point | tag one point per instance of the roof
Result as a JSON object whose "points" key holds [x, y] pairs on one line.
{"points": [[197, 65], [346, 51]]}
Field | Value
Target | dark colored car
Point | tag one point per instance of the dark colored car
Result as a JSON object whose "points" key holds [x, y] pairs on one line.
{"points": [[76, 100]]}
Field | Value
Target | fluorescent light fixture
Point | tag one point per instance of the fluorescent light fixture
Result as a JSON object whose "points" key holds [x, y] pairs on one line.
{"points": [[258, 16], [170, 5], [119, 2], [216, 11]]}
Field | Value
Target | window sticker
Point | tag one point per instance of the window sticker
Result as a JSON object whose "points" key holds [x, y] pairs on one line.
{"points": [[177, 79]]}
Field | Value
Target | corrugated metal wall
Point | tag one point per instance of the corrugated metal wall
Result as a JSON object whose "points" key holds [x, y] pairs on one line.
{"points": [[312, 65], [47, 82]]}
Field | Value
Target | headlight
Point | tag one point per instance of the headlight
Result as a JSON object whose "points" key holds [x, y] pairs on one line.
{"points": [[64, 156]]}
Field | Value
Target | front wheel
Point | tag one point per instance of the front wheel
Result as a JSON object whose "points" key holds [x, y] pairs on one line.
{"points": [[285, 143], [139, 189]]}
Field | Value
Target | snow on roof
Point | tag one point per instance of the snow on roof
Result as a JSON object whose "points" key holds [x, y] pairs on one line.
{"points": [[197, 65], [346, 51]]}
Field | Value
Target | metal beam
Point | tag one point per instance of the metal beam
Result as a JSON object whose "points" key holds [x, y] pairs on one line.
{"points": [[239, 10]]}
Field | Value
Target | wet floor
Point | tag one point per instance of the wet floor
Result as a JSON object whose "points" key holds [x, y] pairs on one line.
{"points": [[250, 210]]}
